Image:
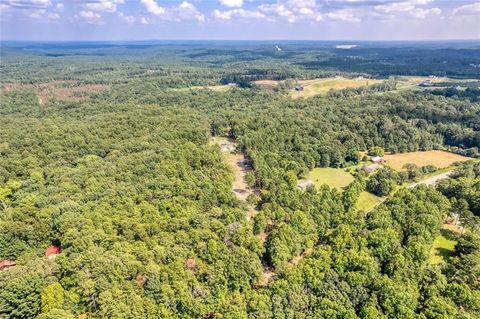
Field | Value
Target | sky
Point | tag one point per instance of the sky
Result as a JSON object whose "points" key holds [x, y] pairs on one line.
{"points": [[130, 20]]}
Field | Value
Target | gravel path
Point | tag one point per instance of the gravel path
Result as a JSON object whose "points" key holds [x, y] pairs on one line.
{"points": [[433, 180]]}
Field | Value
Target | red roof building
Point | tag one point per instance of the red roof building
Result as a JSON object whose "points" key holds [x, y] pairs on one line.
{"points": [[51, 251], [4, 264]]}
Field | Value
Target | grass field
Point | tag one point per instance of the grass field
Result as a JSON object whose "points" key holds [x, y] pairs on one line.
{"points": [[367, 201], [443, 247], [320, 86], [412, 82], [440, 159], [323, 86], [409, 82], [333, 177]]}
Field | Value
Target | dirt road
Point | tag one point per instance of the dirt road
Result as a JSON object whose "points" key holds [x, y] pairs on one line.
{"points": [[432, 180]]}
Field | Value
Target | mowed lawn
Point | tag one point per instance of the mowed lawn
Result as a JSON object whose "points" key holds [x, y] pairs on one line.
{"points": [[437, 158], [367, 201], [443, 247], [333, 177], [323, 86]]}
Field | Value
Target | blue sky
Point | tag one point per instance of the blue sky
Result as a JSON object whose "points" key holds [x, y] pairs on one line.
{"points": [[239, 19]]}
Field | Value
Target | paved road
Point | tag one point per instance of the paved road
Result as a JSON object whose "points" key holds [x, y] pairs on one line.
{"points": [[433, 180], [429, 181]]}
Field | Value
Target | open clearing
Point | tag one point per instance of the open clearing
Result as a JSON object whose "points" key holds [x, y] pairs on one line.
{"points": [[413, 82], [443, 247], [60, 90], [333, 177], [319, 86], [238, 164], [437, 158], [408, 82], [366, 201], [323, 86]]}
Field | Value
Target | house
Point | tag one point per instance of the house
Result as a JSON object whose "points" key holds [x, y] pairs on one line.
{"points": [[305, 184], [370, 168], [298, 88], [426, 83], [52, 251], [378, 159], [5, 264]]}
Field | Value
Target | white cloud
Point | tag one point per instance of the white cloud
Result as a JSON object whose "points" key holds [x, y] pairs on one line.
{"points": [[237, 13], [187, 11], [43, 14], [102, 5], [278, 9], [127, 19], [35, 9], [297, 5], [294, 10], [423, 13], [468, 9], [152, 7], [342, 15], [89, 17], [38, 4], [409, 8], [59, 6], [232, 3]]}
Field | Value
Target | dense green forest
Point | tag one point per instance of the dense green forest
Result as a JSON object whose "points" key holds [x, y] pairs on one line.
{"points": [[125, 181]]}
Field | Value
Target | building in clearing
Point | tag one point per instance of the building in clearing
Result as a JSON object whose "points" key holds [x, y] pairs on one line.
{"points": [[298, 88], [370, 168], [305, 184], [426, 83], [378, 159], [5, 264], [52, 251]]}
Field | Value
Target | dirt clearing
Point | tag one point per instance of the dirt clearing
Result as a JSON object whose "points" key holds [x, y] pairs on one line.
{"points": [[59, 90]]}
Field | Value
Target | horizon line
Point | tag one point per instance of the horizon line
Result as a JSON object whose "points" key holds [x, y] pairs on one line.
{"points": [[243, 40]]}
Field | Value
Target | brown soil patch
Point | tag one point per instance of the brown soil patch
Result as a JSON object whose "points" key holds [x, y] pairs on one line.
{"points": [[240, 168], [452, 227], [266, 276]]}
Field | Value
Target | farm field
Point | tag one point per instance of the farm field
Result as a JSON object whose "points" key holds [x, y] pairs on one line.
{"points": [[366, 201], [333, 177], [320, 86], [440, 159], [443, 247], [323, 86]]}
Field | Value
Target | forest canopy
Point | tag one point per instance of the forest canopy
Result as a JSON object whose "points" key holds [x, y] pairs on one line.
{"points": [[124, 182]]}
